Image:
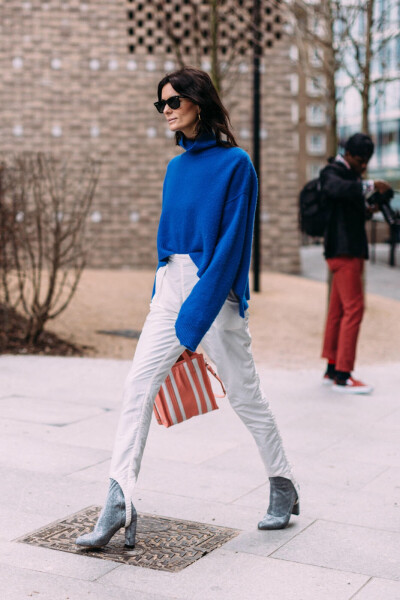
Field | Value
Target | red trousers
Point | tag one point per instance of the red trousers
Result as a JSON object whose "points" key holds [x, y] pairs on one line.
{"points": [[345, 312]]}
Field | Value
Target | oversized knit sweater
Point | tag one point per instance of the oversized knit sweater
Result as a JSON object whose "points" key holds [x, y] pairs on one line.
{"points": [[209, 200]]}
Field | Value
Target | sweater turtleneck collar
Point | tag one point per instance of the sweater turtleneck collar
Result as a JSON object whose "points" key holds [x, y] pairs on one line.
{"points": [[202, 142]]}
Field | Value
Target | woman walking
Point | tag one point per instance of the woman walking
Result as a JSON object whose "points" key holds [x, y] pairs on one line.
{"points": [[200, 295]]}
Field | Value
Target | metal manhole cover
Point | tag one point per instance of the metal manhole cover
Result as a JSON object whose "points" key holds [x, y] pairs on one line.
{"points": [[162, 543]]}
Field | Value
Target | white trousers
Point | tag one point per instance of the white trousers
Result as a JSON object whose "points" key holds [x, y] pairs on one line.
{"points": [[227, 343]]}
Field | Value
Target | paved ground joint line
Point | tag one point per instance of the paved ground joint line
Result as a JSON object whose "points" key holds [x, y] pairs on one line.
{"points": [[103, 460], [361, 588], [346, 524], [247, 493], [385, 469], [97, 579], [335, 569], [292, 538]]}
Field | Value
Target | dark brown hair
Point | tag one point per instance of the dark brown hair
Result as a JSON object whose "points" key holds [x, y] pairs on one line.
{"points": [[198, 87]]}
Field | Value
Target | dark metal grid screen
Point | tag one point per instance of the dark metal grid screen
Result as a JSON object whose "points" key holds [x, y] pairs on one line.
{"points": [[162, 543], [183, 26]]}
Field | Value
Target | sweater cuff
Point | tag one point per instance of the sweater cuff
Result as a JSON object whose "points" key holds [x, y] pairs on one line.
{"points": [[186, 334], [185, 339], [190, 332]]}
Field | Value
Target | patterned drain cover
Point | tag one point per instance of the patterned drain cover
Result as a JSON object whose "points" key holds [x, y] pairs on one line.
{"points": [[161, 543]]}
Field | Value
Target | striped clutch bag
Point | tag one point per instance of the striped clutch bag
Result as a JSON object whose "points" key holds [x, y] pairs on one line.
{"points": [[187, 390]]}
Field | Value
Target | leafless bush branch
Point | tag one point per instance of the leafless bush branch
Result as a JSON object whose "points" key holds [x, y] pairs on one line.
{"points": [[44, 206]]}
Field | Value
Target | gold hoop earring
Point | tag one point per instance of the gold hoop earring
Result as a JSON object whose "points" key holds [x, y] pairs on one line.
{"points": [[199, 116]]}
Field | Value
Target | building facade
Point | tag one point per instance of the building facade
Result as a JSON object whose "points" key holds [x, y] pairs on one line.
{"points": [[79, 78], [310, 109], [309, 112], [309, 84], [384, 112]]}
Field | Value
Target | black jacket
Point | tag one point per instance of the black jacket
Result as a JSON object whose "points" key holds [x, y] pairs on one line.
{"points": [[345, 234]]}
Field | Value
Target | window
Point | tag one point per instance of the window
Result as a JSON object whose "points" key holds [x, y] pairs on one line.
{"points": [[361, 24], [316, 85], [313, 169], [316, 114], [317, 26], [316, 57], [316, 144], [390, 143], [397, 41], [389, 94]]}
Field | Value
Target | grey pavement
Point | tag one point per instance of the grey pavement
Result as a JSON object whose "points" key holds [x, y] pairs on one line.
{"points": [[380, 278], [58, 419]]}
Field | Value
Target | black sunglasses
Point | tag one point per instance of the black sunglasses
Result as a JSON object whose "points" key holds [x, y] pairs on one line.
{"points": [[174, 102]]}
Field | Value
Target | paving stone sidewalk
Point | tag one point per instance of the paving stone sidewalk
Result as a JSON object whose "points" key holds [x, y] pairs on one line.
{"points": [[58, 419], [380, 278]]}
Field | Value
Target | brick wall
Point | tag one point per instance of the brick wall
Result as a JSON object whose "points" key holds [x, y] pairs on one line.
{"points": [[71, 86]]}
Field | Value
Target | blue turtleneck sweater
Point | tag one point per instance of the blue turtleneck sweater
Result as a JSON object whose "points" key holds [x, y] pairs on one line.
{"points": [[209, 200]]}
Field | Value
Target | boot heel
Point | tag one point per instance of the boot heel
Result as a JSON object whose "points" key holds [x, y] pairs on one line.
{"points": [[296, 508], [130, 531]]}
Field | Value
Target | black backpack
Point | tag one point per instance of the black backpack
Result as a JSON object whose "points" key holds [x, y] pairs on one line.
{"points": [[313, 209]]}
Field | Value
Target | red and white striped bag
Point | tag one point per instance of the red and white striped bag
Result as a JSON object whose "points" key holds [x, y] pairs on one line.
{"points": [[187, 390]]}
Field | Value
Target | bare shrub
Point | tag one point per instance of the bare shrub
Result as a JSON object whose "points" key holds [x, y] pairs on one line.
{"points": [[43, 250]]}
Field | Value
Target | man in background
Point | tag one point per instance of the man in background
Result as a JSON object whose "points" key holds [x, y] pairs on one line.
{"points": [[346, 249]]}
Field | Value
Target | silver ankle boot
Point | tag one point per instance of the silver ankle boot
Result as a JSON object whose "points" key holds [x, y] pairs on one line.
{"points": [[283, 502], [111, 518]]}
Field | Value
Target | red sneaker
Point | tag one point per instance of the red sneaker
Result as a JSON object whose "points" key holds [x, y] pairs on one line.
{"points": [[352, 386]]}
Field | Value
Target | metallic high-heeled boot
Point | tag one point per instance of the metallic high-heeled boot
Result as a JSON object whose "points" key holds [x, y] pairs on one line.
{"points": [[111, 518], [283, 502]]}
